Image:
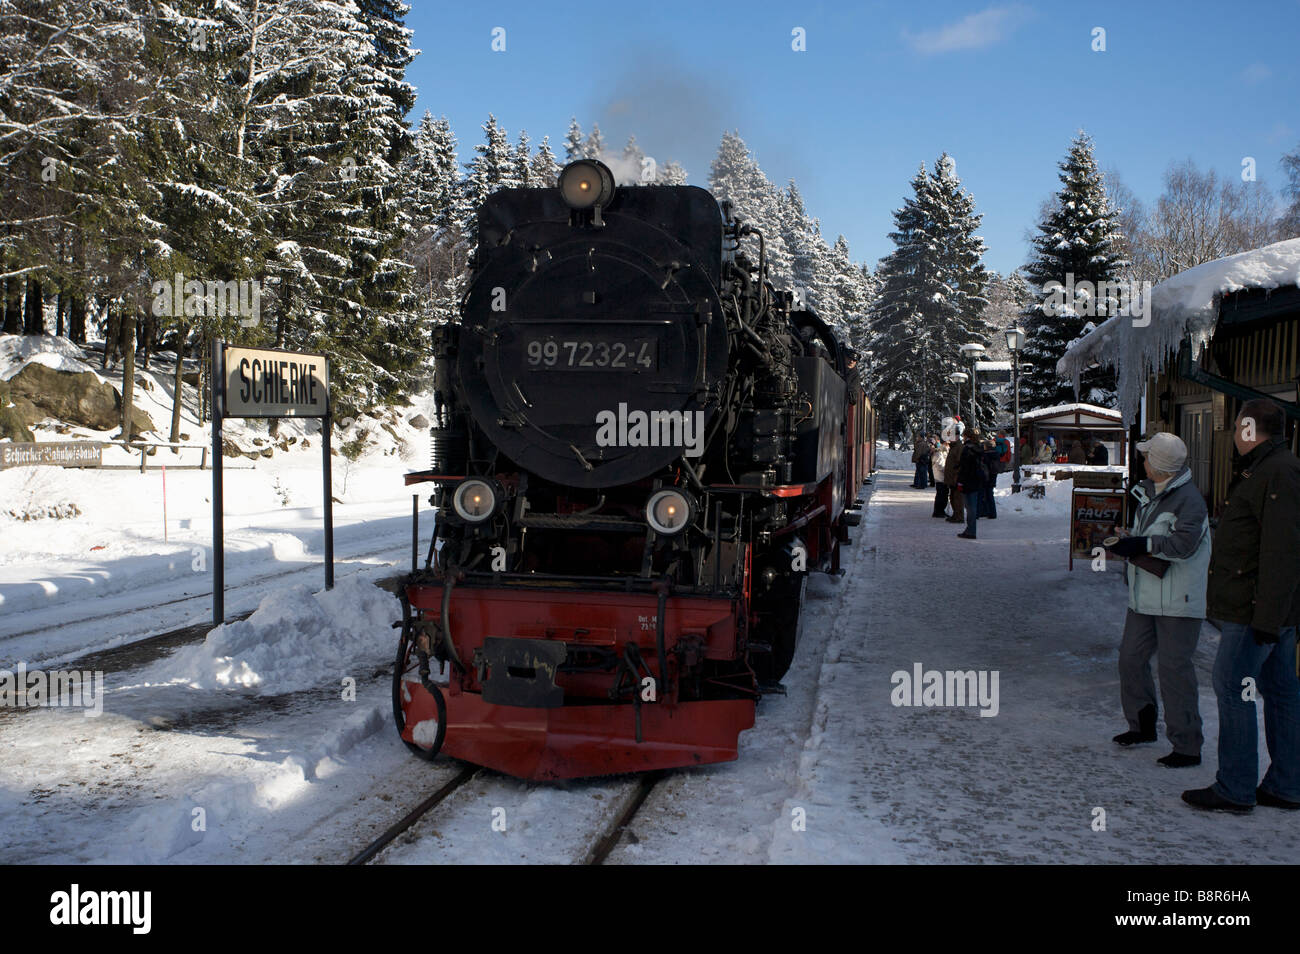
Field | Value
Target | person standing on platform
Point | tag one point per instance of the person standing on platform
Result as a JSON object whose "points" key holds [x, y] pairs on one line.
{"points": [[972, 477], [921, 458], [993, 463], [1254, 595], [951, 468], [937, 461], [1166, 602]]}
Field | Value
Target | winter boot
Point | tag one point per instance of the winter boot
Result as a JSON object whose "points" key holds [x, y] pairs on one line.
{"points": [[1179, 760], [1210, 800], [1267, 798], [1146, 730]]}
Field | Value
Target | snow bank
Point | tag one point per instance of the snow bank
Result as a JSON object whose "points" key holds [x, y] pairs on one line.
{"points": [[295, 640], [18, 351], [1185, 305]]}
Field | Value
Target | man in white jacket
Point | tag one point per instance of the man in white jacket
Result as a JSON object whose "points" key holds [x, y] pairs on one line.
{"points": [[1166, 602]]}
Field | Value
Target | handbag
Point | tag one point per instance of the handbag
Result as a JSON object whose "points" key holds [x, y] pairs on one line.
{"points": [[1144, 561], [1153, 565]]}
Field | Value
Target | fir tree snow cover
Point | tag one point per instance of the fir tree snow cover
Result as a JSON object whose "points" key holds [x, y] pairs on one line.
{"points": [[1078, 242], [930, 302]]}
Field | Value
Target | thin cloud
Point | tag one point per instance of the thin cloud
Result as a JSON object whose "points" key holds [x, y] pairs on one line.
{"points": [[1280, 132], [973, 32], [1256, 73]]}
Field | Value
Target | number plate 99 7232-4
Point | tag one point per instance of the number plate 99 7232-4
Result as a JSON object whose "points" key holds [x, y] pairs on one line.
{"points": [[590, 354]]}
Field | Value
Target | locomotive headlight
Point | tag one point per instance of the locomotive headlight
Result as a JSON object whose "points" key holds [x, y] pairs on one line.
{"points": [[669, 512], [586, 183], [474, 501]]}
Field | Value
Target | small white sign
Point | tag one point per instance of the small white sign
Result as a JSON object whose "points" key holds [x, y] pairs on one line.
{"points": [[261, 382]]}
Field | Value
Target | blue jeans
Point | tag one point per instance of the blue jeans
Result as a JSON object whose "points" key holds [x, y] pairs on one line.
{"points": [[988, 506], [1272, 667], [972, 511], [921, 480]]}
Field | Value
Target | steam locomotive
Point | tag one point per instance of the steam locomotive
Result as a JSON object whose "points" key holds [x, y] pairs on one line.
{"points": [[640, 450]]}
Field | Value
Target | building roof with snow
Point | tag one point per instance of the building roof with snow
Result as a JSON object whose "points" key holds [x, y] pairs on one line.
{"points": [[1063, 410], [1182, 307]]}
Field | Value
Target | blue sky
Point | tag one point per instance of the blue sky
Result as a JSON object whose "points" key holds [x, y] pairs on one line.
{"points": [[881, 88]]}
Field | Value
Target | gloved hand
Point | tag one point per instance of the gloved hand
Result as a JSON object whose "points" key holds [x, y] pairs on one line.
{"points": [[1264, 639], [1128, 547]]}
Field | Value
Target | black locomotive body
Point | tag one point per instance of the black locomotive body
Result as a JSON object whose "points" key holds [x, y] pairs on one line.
{"points": [[640, 450]]}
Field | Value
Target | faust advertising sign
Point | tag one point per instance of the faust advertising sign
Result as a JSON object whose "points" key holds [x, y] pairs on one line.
{"points": [[52, 454], [1094, 516], [265, 383]]}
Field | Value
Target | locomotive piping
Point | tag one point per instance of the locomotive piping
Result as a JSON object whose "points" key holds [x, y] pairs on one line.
{"points": [[663, 587]]}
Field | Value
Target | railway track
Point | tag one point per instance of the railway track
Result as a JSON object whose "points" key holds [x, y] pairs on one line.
{"points": [[414, 815], [630, 806], [623, 809]]}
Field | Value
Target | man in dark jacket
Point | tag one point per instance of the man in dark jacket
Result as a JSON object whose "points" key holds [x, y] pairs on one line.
{"points": [[921, 458], [1099, 456], [973, 473], [951, 468], [1254, 593]]}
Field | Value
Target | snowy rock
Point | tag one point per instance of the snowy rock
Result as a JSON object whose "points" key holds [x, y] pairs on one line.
{"points": [[418, 421], [75, 397]]}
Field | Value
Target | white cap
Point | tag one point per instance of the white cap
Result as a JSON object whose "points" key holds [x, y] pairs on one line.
{"points": [[1166, 452]]}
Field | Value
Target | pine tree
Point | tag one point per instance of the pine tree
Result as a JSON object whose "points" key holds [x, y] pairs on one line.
{"points": [[545, 170], [671, 173], [930, 301], [521, 168], [573, 141], [850, 288], [1077, 243], [735, 176], [594, 146], [489, 170]]}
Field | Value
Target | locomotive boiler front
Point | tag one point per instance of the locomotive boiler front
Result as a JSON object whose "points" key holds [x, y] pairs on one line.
{"points": [[594, 347]]}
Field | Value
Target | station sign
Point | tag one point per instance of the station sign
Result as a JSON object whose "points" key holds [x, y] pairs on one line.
{"points": [[52, 454], [261, 382], [264, 382]]}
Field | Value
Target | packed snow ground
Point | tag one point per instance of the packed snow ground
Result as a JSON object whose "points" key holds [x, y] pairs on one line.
{"points": [[261, 741]]}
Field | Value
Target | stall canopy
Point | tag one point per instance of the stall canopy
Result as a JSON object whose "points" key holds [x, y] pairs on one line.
{"points": [[1067, 422]]}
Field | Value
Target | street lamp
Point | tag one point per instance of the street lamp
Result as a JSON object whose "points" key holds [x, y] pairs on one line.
{"points": [[1016, 341], [958, 378], [973, 351]]}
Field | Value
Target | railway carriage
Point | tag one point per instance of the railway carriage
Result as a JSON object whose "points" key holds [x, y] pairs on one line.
{"points": [[640, 451]]}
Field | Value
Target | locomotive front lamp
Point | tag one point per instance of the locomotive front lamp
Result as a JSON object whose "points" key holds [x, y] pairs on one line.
{"points": [[475, 501], [669, 512], [586, 183]]}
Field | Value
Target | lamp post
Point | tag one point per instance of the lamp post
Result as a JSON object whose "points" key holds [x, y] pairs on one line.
{"points": [[1015, 341], [973, 350], [958, 378]]}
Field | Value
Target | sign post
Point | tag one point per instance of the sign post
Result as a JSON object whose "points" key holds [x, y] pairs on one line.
{"points": [[1097, 511], [217, 377], [262, 382]]}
